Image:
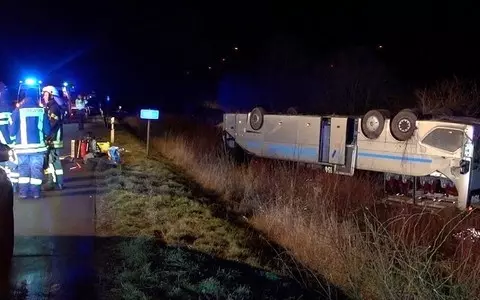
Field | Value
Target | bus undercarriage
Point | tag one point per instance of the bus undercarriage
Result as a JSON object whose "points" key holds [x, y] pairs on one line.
{"points": [[428, 162]]}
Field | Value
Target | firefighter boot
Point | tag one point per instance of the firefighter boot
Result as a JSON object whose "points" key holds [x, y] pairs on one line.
{"points": [[49, 185]]}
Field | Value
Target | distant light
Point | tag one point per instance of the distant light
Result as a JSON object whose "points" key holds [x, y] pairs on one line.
{"points": [[40, 82], [30, 81], [331, 65], [65, 84], [224, 59], [235, 48], [380, 47], [209, 67]]}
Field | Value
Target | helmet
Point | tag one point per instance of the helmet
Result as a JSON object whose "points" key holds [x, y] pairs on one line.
{"points": [[51, 90]]}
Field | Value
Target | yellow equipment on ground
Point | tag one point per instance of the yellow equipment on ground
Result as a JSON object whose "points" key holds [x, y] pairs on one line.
{"points": [[103, 146]]}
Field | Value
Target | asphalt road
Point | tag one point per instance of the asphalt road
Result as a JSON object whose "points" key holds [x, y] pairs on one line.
{"points": [[55, 235]]}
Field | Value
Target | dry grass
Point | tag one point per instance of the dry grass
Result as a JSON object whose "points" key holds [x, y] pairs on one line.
{"points": [[165, 241], [454, 95], [331, 223]]}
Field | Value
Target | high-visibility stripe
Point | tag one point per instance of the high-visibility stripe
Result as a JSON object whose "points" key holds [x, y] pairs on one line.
{"points": [[23, 180], [13, 180], [5, 115], [30, 146], [35, 181], [2, 138], [59, 172], [37, 112], [14, 174], [26, 151], [51, 170]]}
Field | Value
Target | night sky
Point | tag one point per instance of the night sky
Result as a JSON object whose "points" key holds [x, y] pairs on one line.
{"points": [[143, 51]]}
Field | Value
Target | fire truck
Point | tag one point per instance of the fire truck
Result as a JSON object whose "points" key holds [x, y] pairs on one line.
{"points": [[429, 160], [32, 87]]}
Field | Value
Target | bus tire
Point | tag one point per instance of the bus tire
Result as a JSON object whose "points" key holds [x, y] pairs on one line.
{"points": [[256, 118], [403, 125], [373, 122]]}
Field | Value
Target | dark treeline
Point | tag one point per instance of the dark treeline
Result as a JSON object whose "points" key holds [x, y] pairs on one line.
{"points": [[342, 80]]}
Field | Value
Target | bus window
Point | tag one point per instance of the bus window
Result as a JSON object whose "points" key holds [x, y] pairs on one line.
{"points": [[445, 139]]}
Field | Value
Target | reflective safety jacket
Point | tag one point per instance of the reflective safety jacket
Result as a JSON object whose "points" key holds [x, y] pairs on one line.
{"points": [[30, 126], [80, 103], [55, 117], [5, 121]]}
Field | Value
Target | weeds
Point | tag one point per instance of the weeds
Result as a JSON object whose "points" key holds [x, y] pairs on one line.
{"points": [[171, 243], [332, 224]]}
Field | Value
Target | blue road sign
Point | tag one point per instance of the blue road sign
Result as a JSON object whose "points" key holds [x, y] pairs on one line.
{"points": [[149, 114]]}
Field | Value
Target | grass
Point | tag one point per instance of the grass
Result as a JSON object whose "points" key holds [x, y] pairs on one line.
{"points": [[332, 224], [163, 236]]}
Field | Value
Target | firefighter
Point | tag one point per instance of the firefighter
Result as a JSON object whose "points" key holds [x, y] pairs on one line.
{"points": [[105, 110], [80, 104], [5, 136], [55, 110], [30, 126]]}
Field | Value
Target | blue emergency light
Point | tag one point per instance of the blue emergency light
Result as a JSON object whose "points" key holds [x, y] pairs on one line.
{"points": [[149, 114], [30, 81], [65, 84]]}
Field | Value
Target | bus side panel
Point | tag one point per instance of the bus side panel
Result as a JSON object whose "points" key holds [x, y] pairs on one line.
{"points": [[250, 141], [474, 195], [338, 138]]}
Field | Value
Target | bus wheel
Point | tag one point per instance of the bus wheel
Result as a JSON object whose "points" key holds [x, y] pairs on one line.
{"points": [[373, 122], [256, 118], [403, 125]]}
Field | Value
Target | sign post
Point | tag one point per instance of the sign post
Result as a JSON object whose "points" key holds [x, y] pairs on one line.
{"points": [[149, 114], [112, 130]]}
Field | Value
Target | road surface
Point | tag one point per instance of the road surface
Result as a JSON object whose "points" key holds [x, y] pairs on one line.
{"points": [[54, 236]]}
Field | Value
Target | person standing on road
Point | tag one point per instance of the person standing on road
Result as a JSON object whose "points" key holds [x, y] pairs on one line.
{"points": [[80, 105], [55, 110], [5, 136], [105, 108], [30, 125]]}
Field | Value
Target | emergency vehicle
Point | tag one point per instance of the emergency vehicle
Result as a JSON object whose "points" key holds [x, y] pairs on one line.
{"points": [[32, 87], [429, 160]]}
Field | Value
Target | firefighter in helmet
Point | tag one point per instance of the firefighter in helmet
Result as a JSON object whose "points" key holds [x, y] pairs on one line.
{"points": [[5, 136], [55, 111], [30, 125]]}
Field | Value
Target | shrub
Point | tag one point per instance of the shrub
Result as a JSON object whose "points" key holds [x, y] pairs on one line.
{"points": [[334, 225]]}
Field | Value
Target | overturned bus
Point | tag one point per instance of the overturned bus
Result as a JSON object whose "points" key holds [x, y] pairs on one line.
{"points": [[426, 160]]}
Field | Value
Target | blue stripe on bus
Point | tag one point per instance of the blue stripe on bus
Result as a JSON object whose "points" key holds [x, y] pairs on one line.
{"points": [[286, 150], [311, 153], [394, 157]]}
